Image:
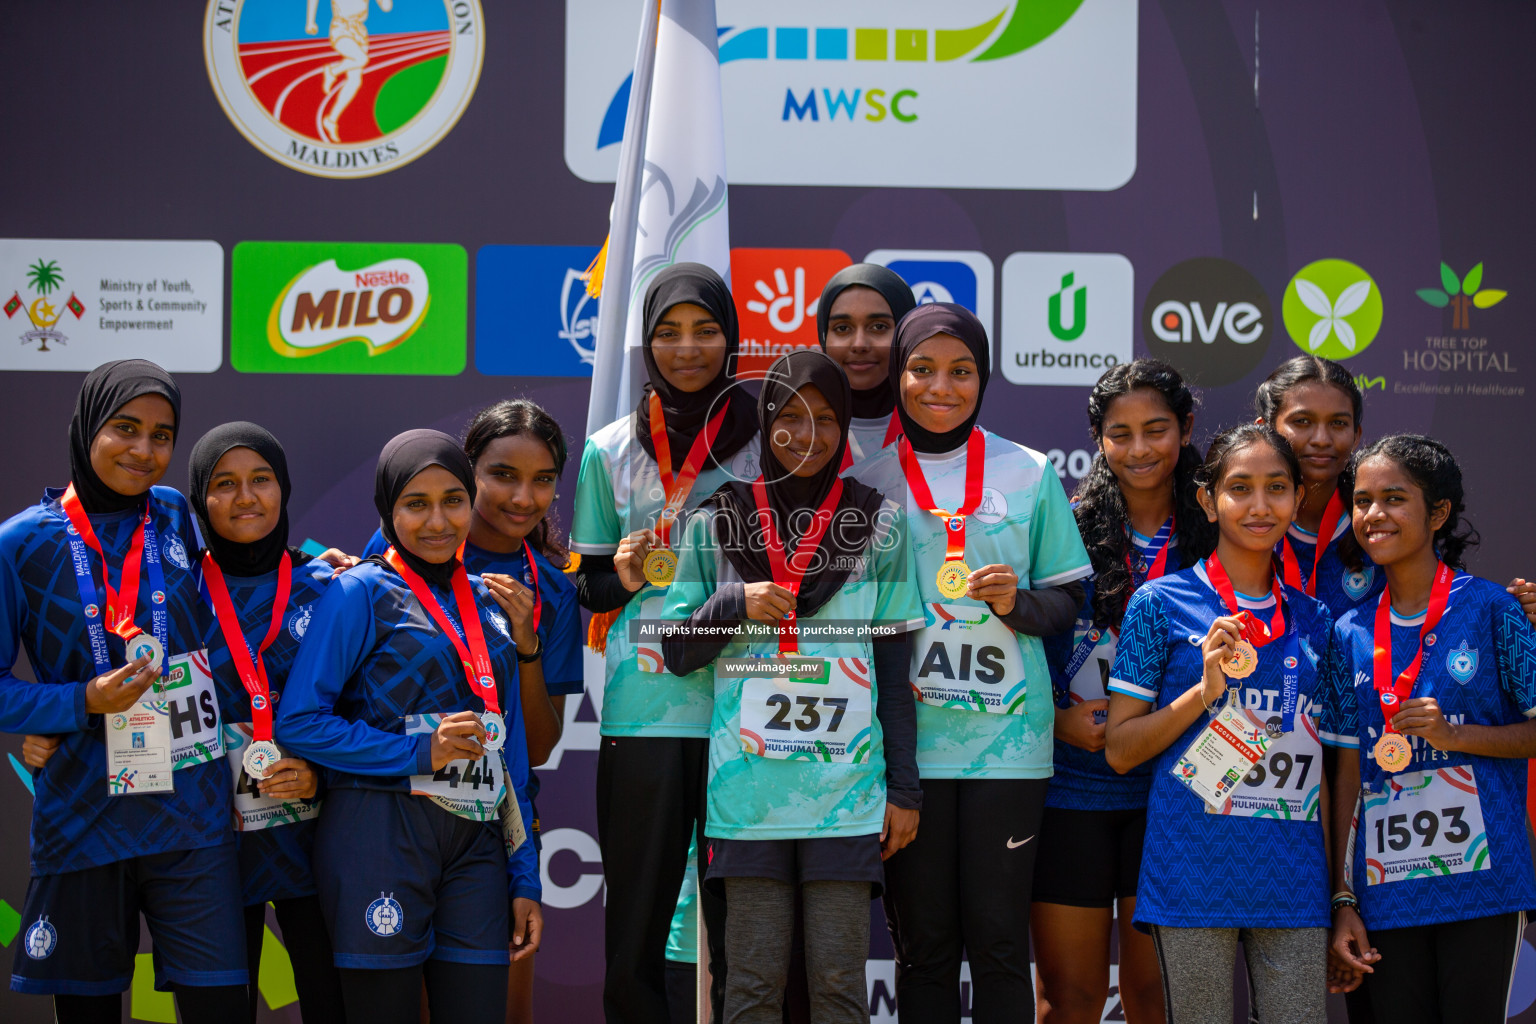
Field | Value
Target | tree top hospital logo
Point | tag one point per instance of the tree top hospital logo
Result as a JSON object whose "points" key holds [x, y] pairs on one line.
{"points": [[343, 88]]}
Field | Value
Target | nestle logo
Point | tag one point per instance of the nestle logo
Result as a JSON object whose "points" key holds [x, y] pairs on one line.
{"points": [[381, 278]]}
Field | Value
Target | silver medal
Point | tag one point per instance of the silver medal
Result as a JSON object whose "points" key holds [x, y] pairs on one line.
{"points": [[495, 730], [259, 756], [145, 643]]}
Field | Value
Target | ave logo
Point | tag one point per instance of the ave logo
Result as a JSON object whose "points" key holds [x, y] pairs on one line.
{"points": [[1210, 319], [777, 292]]}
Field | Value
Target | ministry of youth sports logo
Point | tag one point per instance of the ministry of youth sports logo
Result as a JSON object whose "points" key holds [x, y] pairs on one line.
{"points": [[344, 88], [385, 917]]}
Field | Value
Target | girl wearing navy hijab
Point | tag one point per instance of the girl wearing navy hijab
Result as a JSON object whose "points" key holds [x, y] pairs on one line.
{"points": [[855, 321], [641, 478], [998, 556], [410, 698], [90, 577]]}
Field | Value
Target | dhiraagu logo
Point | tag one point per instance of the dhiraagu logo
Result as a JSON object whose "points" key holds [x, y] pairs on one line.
{"points": [[315, 307], [848, 80], [1332, 309]]}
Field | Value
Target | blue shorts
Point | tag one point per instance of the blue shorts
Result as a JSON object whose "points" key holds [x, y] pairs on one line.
{"points": [[402, 881], [80, 930]]}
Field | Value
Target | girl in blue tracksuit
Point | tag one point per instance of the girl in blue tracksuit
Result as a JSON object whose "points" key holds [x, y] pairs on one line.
{"points": [[409, 697]]}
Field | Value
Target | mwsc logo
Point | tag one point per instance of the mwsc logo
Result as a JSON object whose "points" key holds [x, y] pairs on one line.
{"points": [[368, 89]]}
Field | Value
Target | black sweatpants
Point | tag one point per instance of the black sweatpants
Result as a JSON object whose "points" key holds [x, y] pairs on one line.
{"points": [[1454, 973], [650, 801], [309, 949], [964, 884]]}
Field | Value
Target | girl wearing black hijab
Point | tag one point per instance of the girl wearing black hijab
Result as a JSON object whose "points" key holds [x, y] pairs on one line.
{"points": [[812, 775], [408, 694], [132, 814], [998, 554], [261, 595], [856, 320], [641, 477]]}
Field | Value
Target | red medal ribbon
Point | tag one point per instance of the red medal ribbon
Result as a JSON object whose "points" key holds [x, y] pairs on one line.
{"points": [[788, 572], [1160, 563], [1254, 631], [975, 470], [533, 574], [1331, 516], [1394, 691], [892, 432], [677, 488], [253, 675], [475, 657], [120, 603]]}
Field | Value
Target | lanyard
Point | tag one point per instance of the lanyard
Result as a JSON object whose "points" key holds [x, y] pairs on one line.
{"points": [[1161, 542], [143, 554], [975, 469], [533, 576], [789, 572], [677, 487], [1394, 691], [1256, 633], [1331, 516], [892, 432], [474, 656], [253, 674]]}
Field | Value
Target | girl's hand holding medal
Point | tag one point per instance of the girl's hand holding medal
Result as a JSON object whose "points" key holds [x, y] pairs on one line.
{"points": [[1222, 652]]}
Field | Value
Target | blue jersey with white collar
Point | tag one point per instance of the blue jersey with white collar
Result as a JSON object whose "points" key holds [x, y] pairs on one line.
{"points": [[376, 655], [1339, 587], [76, 824], [274, 862], [1479, 664], [1206, 870]]}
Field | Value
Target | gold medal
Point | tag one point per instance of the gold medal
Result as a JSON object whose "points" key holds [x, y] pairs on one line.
{"points": [[953, 578], [1243, 661], [660, 567], [1393, 753]]}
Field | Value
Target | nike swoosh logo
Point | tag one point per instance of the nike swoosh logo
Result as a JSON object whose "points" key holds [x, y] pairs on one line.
{"points": [[1015, 845]]}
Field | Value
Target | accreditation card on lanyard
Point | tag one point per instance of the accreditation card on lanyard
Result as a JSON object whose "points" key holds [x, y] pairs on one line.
{"points": [[1141, 572], [1331, 516], [475, 658], [660, 566], [954, 576], [1227, 749], [796, 707], [261, 753], [138, 740]]}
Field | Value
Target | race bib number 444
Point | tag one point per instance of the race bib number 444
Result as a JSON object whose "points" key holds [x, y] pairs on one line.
{"points": [[1423, 824], [470, 789], [965, 659], [806, 709]]}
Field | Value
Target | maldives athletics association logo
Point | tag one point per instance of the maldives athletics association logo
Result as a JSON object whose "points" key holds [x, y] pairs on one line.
{"points": [[344, 88]]}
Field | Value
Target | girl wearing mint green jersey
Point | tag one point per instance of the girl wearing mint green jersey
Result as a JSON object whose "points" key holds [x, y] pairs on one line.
{"points": [[812, 775], [640, 479], [985, 719]]}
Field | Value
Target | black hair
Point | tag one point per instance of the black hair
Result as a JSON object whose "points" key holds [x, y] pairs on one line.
{"points": [[1228, 443], [1433, 470], [509, 418], [1102, 518], [1300, 370]]}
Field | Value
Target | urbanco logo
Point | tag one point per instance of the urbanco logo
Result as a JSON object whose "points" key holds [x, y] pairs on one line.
{"points": [[348, 307], [367, 89], [1332, 309], [1067, 316], [856, 77], [1461, 294], [1210, 319]]}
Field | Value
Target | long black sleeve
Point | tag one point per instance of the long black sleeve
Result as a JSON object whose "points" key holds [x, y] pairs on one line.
{"points": [[685, 650], [598, 587], [1045, 612], [897, 711]]}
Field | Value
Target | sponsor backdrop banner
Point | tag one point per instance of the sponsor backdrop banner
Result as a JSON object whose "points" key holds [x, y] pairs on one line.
{"points": [[342, 220]]}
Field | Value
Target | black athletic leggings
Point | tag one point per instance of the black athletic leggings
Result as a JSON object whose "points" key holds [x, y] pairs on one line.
{"points": [[214, 1004], [309, 948], [1453, 973], [455, 992]]}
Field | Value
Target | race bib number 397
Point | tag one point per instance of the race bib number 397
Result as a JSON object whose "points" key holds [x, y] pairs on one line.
{"points": [[1424, 824]]}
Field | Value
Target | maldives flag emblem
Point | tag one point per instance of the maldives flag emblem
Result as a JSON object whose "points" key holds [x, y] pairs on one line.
{"points": [[13, 305], [75, 306]]}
